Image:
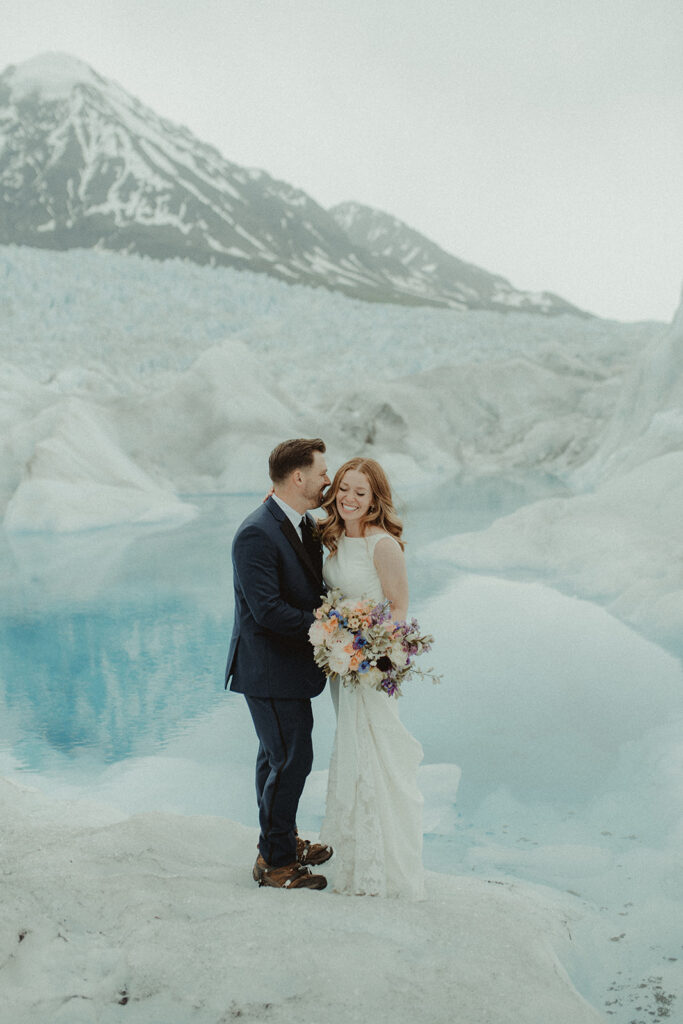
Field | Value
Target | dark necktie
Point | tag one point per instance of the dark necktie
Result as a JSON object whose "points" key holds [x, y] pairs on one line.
{"points": [[310, 543]]}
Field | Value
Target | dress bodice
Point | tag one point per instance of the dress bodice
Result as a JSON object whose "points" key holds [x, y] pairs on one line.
{"points": [[351, 568]]}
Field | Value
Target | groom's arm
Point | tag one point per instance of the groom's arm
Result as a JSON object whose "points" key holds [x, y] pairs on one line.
{"points": [[255, 561]]}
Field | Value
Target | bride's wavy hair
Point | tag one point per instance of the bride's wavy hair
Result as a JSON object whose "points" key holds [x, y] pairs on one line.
{"points": [[381, 512]]}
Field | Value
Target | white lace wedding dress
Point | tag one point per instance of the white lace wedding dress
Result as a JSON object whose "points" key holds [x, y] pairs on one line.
{"points": [[373, 816]]}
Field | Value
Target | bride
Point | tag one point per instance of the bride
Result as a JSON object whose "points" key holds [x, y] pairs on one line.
{"points": [[373, 816]]}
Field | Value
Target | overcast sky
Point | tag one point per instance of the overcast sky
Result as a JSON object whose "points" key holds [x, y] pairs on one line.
{"points": [[539, 139]]}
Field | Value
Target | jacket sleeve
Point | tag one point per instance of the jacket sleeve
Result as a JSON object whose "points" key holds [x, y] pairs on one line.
{"points": [[255, 562]]}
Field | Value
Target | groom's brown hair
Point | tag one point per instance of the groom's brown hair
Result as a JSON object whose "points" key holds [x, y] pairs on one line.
{"points": [[291, 455]]}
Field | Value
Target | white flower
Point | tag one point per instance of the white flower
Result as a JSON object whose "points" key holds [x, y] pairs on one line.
{"points": [[397, 654], [373, 676], [339, 659], [317, 634]]}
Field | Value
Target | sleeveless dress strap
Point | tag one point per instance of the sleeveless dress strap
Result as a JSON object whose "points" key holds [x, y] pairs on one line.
{"points": [[375, 537]]}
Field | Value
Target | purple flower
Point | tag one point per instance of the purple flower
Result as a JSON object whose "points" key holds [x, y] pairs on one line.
{"points": [[379, 613]]}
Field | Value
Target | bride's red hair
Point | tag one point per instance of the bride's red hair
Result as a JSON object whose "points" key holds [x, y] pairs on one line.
{"points": [[381, 513]]}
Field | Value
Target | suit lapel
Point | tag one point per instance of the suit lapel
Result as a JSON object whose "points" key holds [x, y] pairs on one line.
{"points": [[301, 552], [293, 538]]}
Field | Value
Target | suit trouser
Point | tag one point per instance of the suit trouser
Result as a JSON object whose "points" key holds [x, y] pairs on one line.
{"points": [[284, 761]]}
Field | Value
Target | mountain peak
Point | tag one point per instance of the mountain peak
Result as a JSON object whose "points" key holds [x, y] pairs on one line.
{"points": [[349, 213], [49, 75], [461, 284]]}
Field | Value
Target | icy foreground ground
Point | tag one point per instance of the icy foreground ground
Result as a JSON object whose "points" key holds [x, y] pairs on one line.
{"points": [[154, 920], [566, 725]]}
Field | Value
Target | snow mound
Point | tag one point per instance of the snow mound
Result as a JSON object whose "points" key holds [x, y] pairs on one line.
{"points": [[506, 415], [77, 478], [621, 546], [210, 427], [158, 914], [78, 455], [648, 417], [622, 542]]}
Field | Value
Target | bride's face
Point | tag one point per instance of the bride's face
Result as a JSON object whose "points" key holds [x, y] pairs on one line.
{"points": [[354, 496]]}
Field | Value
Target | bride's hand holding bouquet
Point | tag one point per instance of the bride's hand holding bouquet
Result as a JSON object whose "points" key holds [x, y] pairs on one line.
{"points": [[361, 643]]}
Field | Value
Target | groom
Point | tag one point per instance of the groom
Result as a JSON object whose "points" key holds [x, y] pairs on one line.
{"points": [[277, 572]]}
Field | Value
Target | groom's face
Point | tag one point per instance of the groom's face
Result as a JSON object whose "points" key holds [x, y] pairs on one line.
{"points": [[315, 480]]}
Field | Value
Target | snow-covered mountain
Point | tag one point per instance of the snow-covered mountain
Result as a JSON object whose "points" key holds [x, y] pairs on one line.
{"points": [[461, 284], [84, 164]]}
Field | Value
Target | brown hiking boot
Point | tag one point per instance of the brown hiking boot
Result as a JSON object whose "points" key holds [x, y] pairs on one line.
{"points": [[259, 867], [290, 876], [312, 853]]}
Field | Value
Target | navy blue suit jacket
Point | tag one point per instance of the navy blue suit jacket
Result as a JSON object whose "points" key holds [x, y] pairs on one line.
{"points": [[277, 586]]}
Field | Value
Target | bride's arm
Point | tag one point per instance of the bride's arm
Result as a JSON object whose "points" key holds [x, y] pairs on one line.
{"points": [[390, 564]]}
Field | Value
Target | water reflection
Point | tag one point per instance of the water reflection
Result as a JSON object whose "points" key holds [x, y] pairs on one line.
{"points": [[112, 639], [114, 678]]}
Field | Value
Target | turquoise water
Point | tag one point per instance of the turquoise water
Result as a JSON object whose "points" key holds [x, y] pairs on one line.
{"points": [[113, 639]]}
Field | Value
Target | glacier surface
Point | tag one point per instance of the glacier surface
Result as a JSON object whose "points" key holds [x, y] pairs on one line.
{"points": [[128, 385]]}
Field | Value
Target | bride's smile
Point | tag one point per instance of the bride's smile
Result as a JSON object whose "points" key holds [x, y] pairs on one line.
{"points": [[353, 500]]}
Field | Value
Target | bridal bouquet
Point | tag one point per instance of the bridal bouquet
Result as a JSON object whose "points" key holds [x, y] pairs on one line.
{"points": [[359, 642]]}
